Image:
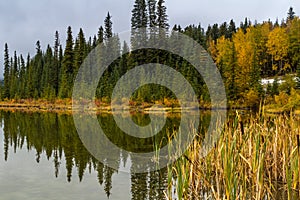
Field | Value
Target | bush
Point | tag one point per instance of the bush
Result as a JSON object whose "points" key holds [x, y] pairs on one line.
{"points": [[252, 98], [281, 99], [288, 102]]}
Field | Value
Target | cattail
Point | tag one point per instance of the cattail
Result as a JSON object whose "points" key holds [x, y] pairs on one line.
{"points": [[242, 127], [298, 143], [262, 139]]}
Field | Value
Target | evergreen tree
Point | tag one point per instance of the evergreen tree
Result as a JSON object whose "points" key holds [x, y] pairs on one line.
{"points": [[22, 78], [100, 35], [152, 18], [231, 29], [80, 51], [37, 70], [108, 27], [48, 90], [162, 19], [67, 67], [124, 63], [255, 78], [54, 74], [94, 43], [139, 22], [14, 77], [29, 78], [245, 25], [215, 32], [291, 14], [224, 30], [6, 92]]}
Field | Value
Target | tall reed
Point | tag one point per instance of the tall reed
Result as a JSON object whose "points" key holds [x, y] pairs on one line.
{"points": [[256, 157]]}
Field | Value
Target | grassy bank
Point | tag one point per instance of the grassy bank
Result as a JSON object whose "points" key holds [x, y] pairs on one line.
{"points": [[255, 158], [60, 105]]}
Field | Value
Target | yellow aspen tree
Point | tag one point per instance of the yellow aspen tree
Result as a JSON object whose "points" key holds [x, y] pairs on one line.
{"points": [[244, 55], [226, 62], [277, 47]]}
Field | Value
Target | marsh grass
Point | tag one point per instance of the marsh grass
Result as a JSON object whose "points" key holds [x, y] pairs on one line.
{"points": [[256, 157]]}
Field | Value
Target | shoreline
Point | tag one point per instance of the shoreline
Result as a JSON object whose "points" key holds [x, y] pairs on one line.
{"points": [[65, 106]]}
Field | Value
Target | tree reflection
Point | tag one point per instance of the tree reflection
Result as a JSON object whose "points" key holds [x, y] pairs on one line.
{"points": [[54, 136]]}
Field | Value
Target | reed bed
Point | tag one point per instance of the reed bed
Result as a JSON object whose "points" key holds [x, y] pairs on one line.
{"points": [[256, 157]]}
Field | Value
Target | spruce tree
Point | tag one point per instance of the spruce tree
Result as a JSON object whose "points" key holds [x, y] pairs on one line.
{"points": [[37, 70], [215, 32], [100, 35], [14, 77], [29, 90], [48, 90], [224, 30], [80, 51], [152, 18], [139, 22], [6, 92], [291, 14], [108, 27], [22, 78], [67, 67], [162, 19], [231, 29], [54, 74]]}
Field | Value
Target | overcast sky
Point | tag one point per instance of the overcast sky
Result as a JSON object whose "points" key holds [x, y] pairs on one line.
{"points": [[22, 22]]}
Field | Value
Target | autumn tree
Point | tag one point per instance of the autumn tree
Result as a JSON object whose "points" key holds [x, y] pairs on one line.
{"points": [[294, 48], [226, 61], [277, 47]]}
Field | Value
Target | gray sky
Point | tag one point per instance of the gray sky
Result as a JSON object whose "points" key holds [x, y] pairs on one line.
{"points": [[22, 22]]}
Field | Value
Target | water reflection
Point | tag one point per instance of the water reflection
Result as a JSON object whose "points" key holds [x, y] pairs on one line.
{"points": [[55, 136]]}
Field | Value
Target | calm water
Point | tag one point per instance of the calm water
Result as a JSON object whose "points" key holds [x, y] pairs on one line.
{"points": [[42, 157]]}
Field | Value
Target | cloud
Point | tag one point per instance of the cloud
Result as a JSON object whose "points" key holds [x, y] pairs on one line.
{"points": [[24, 22]]}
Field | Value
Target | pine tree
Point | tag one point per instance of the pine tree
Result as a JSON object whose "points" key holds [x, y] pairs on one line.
{"points": [[124, 63], [139, 22], [231, 29], [6, 92], [152, 18], [215, 32], [291, 14], [108, 34], [54, 74], [37, 70], [22, 82], [162, 18], [108, 27], [48, 90], [67, 67], [100, 35], [14, 77], [245, 25], [29, 90], [224, 30], [80, 51]]}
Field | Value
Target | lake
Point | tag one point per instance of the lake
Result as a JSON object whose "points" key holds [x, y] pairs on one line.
{"points": [[43, 157]]}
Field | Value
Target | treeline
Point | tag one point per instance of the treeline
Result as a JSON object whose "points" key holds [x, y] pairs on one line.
{"points": [[256, 51], [244, 54]]}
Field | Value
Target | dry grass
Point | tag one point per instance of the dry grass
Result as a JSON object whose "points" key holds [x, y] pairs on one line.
{"points": [[255, 158]]}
